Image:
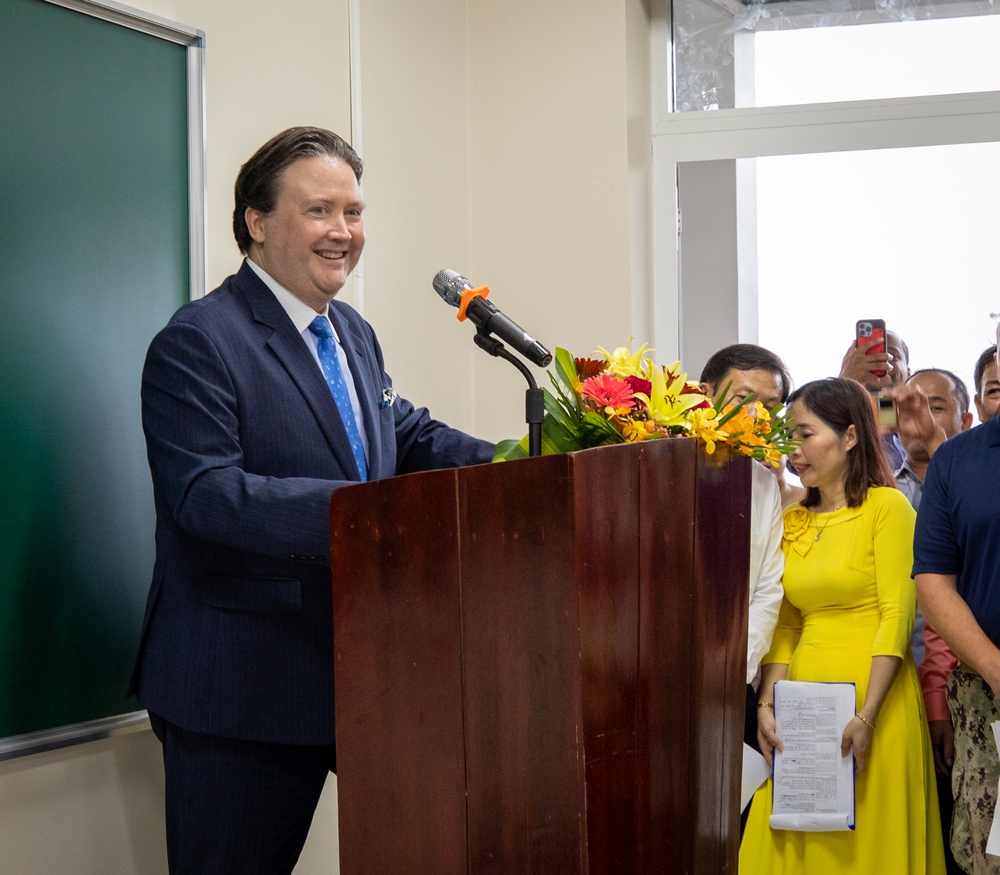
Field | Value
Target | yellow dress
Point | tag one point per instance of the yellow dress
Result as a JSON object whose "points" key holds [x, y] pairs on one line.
{"points": [[849, 597]]}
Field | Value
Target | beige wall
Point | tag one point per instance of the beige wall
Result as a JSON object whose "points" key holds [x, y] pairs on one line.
{"points": [[509, 141], [550, 170], [415, 132]]}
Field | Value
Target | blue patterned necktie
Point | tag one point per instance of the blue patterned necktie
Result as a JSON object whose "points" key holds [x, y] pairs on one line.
{"points": [[326, 346]]}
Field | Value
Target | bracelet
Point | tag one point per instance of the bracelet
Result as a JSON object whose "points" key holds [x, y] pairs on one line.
{"points": [[765, 705], [867, 723]]}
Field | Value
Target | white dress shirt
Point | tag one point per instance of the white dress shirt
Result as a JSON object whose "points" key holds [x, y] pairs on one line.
{"points": [[767, 564], [302, 316]]}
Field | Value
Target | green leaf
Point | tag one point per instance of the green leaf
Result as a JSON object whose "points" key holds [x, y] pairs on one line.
{"points": [[566, 368], [555, 408], [599, 431], [507, 451]]}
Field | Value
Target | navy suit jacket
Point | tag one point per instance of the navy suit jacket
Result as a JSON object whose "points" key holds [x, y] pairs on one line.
{"points": [[245, 447]]}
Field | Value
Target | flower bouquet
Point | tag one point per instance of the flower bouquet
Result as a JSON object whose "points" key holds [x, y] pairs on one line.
{"points": [[624, 397]]}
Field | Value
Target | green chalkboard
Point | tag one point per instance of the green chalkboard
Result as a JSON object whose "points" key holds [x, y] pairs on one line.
{"points": [[94, 236]]}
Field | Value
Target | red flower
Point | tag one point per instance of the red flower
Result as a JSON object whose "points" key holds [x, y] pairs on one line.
{"points": [[611, 394], [638, 384]]}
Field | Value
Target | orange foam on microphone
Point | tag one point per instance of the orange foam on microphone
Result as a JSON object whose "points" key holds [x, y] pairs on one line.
{"points": [[468, 296]]}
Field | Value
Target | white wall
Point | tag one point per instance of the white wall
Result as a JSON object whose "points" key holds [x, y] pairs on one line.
{"points": [[508, 141]]}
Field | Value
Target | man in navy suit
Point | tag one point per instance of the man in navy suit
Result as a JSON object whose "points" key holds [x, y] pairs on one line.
{"points": [[246, 444]]}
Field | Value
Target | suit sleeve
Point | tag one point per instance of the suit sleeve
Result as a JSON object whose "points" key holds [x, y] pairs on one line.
{"points": [[192, 421], [424, 443]]}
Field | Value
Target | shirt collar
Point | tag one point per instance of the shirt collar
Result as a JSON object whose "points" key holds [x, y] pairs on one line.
{"points": [[298, 311]]}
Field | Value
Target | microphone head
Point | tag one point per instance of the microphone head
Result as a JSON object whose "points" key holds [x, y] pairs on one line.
{"points": [[450, 285]]}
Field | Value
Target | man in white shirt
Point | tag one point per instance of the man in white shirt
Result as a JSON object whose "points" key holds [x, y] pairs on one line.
{"points": [[746, 372]]}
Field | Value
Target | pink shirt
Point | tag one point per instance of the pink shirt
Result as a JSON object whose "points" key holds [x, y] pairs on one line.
{"points": [[937, 664]]}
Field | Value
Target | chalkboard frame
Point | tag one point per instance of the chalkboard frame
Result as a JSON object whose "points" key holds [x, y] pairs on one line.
{"points": [[193, 41]]}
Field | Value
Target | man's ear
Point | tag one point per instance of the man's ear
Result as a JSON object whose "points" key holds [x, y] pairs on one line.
{"points": [[966, 420], [255, 224], [707, 390]]}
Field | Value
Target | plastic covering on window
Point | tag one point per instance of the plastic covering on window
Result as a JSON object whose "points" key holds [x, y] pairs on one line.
{"points": [[710, 35]]}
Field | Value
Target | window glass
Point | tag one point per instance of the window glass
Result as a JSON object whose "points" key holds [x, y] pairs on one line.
{"points": [[735, 54], [904, 235]]}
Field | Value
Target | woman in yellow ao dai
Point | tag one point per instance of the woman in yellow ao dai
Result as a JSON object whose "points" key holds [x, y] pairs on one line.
{"points": [[847, 616]]}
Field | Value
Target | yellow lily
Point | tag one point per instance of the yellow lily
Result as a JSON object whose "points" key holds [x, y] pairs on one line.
{"points": [[668, 404], [624, 363]]}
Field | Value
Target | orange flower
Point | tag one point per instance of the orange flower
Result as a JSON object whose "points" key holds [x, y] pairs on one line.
{"points": [[705, 425], [587, 368]]}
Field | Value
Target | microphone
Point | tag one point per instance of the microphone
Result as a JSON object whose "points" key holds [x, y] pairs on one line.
{"points": [[471, 302]]}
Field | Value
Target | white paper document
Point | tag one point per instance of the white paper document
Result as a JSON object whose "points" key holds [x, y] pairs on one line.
{"points": [[755, 772], [813, 783], [993, 842]]}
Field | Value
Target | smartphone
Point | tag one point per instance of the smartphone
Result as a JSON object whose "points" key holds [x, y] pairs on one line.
{"points": [[868, 330], [887, 412]]}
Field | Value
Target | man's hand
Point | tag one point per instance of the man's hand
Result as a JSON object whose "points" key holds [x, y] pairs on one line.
{"points": [[916, 422], [860, 361], [943, 745]]}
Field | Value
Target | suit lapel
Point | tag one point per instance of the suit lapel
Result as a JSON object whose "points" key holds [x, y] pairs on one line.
{"points": [[291, 351]]}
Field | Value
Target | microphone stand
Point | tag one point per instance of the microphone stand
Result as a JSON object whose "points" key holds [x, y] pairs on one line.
{"points": [[534, 398]]}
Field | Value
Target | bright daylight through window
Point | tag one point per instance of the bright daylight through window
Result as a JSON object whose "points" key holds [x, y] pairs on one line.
{"points": [[906, 235]]}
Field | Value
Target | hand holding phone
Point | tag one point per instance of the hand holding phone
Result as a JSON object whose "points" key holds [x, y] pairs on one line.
{"points": [[870, 335]]}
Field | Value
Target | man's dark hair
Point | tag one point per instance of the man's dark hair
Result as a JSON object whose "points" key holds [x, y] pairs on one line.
{"points": [[258, 179], [982, 363], [745, 357], [841, 403], [958, 386]]}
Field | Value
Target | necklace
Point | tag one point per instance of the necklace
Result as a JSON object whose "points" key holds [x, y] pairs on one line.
{"points": [[825, 524]]}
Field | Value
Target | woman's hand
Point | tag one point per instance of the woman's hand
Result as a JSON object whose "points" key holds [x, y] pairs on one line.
{"points": [[767, 737], [857, 737]]}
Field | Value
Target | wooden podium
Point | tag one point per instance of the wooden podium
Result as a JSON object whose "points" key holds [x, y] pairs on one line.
{"points": [[540, 665]]}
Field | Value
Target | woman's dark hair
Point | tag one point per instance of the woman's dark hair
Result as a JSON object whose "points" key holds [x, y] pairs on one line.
{"points": [[258, 179], [841, 403]]}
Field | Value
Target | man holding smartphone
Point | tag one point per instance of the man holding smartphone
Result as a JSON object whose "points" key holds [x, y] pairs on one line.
{"points": [[877, 371]]}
